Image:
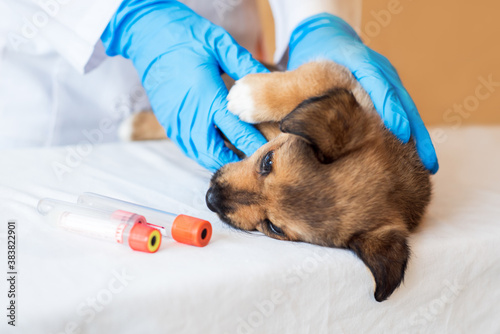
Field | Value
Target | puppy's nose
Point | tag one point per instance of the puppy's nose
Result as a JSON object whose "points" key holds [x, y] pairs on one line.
{"points": [[211, 199]]}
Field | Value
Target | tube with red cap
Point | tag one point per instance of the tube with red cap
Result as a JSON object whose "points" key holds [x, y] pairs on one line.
{"points": [[113, 225], [182, 228]]}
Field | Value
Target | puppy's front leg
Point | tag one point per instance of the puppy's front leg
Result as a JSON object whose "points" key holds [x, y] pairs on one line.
{"points": [[269, 97]]}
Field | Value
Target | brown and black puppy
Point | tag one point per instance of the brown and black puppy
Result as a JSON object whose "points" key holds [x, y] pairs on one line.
{"points": [[331, 173]]}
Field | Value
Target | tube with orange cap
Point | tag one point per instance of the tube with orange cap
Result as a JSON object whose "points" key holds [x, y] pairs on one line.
{"points": [[182, 228], [113, 225]]}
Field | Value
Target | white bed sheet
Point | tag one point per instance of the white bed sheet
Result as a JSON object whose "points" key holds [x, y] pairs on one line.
{"points": [[244, 283]]}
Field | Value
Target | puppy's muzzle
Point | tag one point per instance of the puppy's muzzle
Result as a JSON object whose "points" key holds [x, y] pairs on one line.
{"points": [[213, 199]]}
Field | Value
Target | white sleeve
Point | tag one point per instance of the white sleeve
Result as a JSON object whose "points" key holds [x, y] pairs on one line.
{"points": [[71, 27], [289, 13]]}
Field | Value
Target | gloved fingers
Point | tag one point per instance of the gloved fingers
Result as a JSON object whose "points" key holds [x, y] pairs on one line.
{"points": [[385, 100], [386, 67], [216, 154], [423, 141], [242, 135], [235, 60], [425, 148], [186, 112], [245, 137], [200, 141]]}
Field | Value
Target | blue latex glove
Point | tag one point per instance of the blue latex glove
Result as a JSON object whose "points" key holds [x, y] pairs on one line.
{"points": [[179, 57], [325, 36]]}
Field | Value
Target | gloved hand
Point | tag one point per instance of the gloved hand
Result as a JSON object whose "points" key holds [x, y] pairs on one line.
{"points": [[325, 36], [179, 57]]}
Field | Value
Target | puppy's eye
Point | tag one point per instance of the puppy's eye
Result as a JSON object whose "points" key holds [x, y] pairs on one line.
{"points": [[266, 164], [274, 229]]}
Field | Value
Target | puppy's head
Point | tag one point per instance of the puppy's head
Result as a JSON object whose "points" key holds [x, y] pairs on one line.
{"points": [[333, 177]]}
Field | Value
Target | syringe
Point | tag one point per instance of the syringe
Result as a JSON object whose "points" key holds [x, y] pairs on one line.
{"points": [[113, 225], [182, 228]]}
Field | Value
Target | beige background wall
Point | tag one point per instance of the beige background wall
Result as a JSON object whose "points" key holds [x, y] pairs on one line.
{"points": [[444, 51]]}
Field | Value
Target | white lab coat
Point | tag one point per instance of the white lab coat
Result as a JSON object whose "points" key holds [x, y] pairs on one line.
{"points": [[58, 87]]}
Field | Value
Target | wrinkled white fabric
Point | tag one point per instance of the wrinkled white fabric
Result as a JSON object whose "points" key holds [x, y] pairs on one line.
{"points": [[244, 283]]}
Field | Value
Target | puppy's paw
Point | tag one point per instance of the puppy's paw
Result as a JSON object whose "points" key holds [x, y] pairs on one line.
{"points": [[241, 101], [264, 97], [126, 128]]}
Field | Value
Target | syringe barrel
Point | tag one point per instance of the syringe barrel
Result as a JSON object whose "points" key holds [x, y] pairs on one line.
{"points": [[113, 225], [182, 228]]}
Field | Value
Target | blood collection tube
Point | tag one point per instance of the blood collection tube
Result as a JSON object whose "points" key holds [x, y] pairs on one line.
{"points": [[182, 228], [113, 225]]}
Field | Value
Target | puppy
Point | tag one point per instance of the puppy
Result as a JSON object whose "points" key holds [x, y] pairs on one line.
{"points": [[331, 173]]}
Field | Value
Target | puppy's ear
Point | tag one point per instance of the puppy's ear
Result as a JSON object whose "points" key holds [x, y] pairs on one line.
{"points": [[333, 124], [385, 252]]}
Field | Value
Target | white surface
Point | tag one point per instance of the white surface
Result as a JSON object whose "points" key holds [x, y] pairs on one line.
{"points": [[228, 286]]}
